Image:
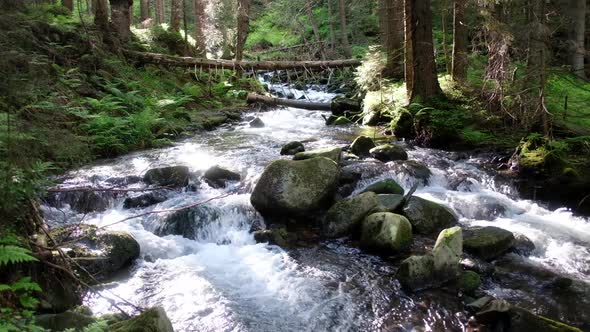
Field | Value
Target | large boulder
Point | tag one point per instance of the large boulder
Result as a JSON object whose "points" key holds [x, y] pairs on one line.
{"points": [[171, 176], [292, 148], [151, 320], [428, 217], [386, 232], [186, 222], [389, 202], [102, 253], [387, 186], [343, 217], [435, 268], [330, 153], [362, 145], [487, 242], [388, 152], [300, 187], [447, 252], [217, 176]]}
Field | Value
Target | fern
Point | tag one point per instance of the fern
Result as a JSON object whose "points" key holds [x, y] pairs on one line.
{"points": [[10, 254]]}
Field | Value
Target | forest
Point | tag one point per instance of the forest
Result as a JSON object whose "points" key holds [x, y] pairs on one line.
{"points": [[301, 165]]}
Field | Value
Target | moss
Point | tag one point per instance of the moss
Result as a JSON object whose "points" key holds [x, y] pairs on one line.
{"points": [[341, 120], [387, 186], [470, 281], [151, 320]]}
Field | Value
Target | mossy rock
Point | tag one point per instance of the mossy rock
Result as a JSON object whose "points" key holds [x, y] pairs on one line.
{"points": [[487, 242], [341, 121], [362, 145], [402, 124], [333, 153], [295, 187], [470, 281], [389, 202], [416, 272], [386, 232], [387, 186], [438, 128], [344, 216], [217, 176], [428, 217], [388, 152], [64, 320], [170, 176], [447, 252], [292, 148], [151, 320]]}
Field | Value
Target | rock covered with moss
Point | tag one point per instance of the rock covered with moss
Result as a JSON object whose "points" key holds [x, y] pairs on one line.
{"points": [[386, 232], [362, 145], [487, 242], [386, 186], [344, 216], [333, 153], [170, 176], [388, 152], [298, 188], [292, 148], [151, 320], [428, 217]]}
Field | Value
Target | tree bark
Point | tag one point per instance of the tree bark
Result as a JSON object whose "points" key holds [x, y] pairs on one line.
{"points": [[175, 11], [157, 58], [332, 28], [101, 14], [577, 51], [344, 29], [243, 26], [69, 4], [393, 39], [459, 64], [144, 8], [200, 27], [120, 18], [160, 11], [418, 19], [302, 104]]}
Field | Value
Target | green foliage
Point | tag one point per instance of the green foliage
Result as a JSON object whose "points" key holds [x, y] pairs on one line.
{"points": [[98, 326], [11, 254]]}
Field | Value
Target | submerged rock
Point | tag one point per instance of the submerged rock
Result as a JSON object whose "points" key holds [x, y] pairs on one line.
{"points": [[257, 123], [333, 153], [487, 242], [171, 176], [414, 169], [362, 145], [388, 152], [387, 186], [144, 200], [217, 177], [295, 187], [186, 222], [522, 245], [428, 217], [344, 216], [292, 148], [386, 232], [151, 320]]}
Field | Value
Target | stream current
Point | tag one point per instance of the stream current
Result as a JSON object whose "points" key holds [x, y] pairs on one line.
{"points": [[222, 280]]}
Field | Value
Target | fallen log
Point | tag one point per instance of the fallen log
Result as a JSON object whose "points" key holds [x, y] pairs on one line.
{"points": [[337, 106], [164, 59]]}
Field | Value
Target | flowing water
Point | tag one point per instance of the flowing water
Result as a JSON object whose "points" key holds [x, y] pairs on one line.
{"points": [[222, 280]]}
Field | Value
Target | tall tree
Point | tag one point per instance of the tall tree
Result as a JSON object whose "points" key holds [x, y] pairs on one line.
{"points": [[175, 13], [101, 14], [332, 27], [160, 12], [392, 30], [144, 8], [69, 4], [314, 27], [459, 63], [344, 29], [577, 14], [120, 18], [421, 78], [243, 26], [200, 27]]}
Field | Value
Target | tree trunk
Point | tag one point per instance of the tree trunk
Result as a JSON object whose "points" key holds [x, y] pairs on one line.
{"points": [[144, 8], [459, 66], [120, 18], [393, 38], [160, 11], [175, 11], [419, 45], [169, 60], [101, 14], [314, 27], [577, 52], [332, 27], [343, 29], [69, 4], [201, 43], [243, 26]]}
